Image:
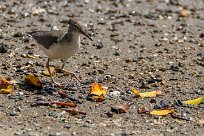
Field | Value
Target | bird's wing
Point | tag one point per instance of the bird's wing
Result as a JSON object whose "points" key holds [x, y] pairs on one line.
{"points": [[46, 38]]}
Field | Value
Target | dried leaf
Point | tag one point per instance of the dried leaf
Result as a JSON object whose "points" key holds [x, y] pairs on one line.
{"points": [[71, 104], [146, 94], [150, 94], [3, 81], [142, 110], [47, 103], [75, 111], [33, 80], [162, 112], [195, 102], [97, 89], [121, 108], [46, 72], [97, 92], [7, 90], [97, 98], [136, 92], [6, 86]]}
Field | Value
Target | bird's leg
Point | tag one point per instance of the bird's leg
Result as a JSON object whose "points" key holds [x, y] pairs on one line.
{"points": [[48, 67], [68, 72]]}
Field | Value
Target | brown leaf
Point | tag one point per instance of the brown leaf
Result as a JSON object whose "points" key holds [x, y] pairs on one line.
{"points": [[70, 104], [75, 111], [48, 103], [33, 80], [120, 108], [142, 110]]}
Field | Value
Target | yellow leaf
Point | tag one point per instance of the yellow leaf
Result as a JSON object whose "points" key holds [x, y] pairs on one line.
{"points": [[146, 94], [7, 90], [46, 72], [136, 92], [162, 112], [150, 94], [97, 89], [3, 81], [98, 98], [32, 80], [195, 102]]}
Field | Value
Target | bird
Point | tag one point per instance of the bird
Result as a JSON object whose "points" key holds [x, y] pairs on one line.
{"points": [[61, 44]]}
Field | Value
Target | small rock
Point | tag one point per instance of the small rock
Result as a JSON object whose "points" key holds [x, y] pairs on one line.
{"points": [[116, 53], [174, 68], [74, 133], [67, 126], [39, 11], [33, 134], [201, 35], [201, 123], [109, 114], [184, 13], [3, 48], [13, 113], [115, 94], [98, 45], [131, 76], [153, 101], [56, 134], [18, 133], [18, 34]]}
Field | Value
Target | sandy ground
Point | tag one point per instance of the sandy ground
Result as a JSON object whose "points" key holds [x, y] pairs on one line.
{"points": [[137, 43]]}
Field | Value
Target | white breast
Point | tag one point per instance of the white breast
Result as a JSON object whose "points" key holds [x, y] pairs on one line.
{"points": [[63, 51]]}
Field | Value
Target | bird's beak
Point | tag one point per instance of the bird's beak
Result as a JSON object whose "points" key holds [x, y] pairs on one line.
{"points": [[85, 33]]}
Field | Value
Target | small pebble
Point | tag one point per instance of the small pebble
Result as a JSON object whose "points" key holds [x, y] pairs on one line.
{"points": [[13, 113], [3, 48], [115, 94], [67, 126]]}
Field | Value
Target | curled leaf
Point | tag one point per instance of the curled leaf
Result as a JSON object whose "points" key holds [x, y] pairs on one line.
{"points": [[70, 104], [146, 94], [6, 86], [150, 94], [75, 111], [7, 90], [97, 92], [3, 81], [195, 102], [142, 110], [48, 103], [162, 112], [136, 92], [33, 80], [120, 108]]}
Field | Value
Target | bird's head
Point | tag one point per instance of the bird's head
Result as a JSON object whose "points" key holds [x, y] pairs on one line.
{"points": [[78, 27]]}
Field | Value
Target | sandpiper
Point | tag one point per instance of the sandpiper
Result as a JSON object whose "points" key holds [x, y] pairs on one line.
{"points": [[59, 44]]}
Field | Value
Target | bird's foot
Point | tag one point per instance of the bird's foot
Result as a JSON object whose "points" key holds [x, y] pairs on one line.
{"points": [[72, 74]]}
